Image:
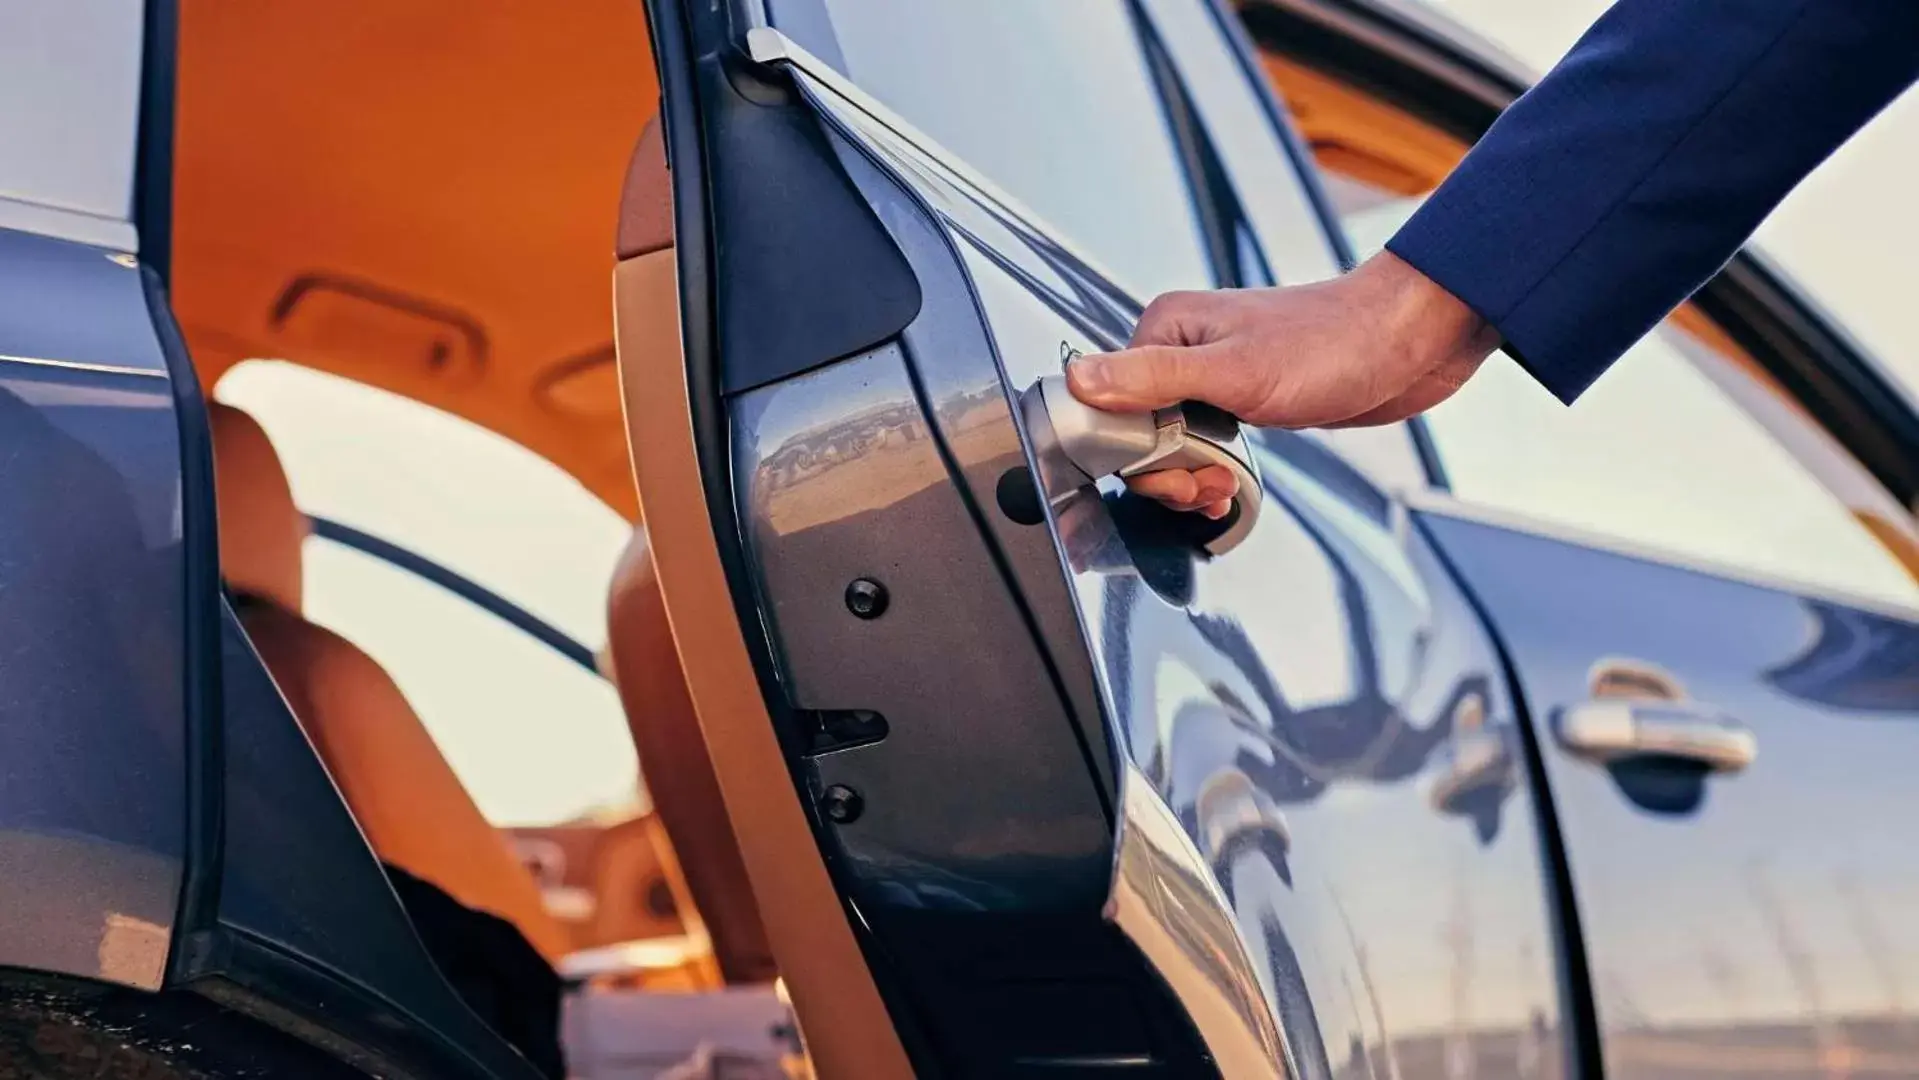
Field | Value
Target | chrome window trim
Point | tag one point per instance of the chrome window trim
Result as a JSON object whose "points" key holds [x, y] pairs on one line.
{"points": [[1271, 192], [76, 365], [63, 224], [768, 46], [1445, 505]]}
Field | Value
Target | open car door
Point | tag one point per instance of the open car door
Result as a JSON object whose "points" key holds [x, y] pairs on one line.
{"points": [[1008, 753], [935, 884]]}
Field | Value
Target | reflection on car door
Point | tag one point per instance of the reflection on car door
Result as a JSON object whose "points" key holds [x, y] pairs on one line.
{"points": [[93, 730], [1301, 755], [1728, 761]]}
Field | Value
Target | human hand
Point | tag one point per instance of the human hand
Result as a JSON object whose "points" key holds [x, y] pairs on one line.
{"points": [[1373, 347]]}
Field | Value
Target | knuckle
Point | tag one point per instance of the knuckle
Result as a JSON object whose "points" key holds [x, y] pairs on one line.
{"points": [[1165, 312]]}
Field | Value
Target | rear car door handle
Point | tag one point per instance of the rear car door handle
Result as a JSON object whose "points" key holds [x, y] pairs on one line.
{"points": [[1609, 731], [1096, 443]]}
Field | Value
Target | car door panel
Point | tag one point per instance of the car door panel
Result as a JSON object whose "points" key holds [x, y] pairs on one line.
{"points": [[93, 710], [666, 318], [982, 852], [1743, 921], [1328, 670]]}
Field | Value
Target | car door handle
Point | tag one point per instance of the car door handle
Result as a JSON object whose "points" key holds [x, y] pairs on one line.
{"points": [[1096, 443], [1609, 731]]}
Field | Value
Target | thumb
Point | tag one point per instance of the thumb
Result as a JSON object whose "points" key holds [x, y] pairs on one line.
{"points": [[1145, 378]]}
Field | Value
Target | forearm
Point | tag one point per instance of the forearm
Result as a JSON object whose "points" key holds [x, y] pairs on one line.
{"points": [[1630, 174]]}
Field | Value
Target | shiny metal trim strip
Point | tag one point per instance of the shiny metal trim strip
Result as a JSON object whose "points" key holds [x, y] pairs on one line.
{"points": [[76, 365], [63, 224], [1167, 902], [769, 46]]}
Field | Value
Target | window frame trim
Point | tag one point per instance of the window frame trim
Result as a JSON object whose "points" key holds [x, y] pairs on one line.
{"points": [[461, 587], [1417, 466]]}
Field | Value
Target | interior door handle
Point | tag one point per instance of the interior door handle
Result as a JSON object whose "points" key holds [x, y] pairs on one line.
{"points": [[1096, 443], [1610, 731]]}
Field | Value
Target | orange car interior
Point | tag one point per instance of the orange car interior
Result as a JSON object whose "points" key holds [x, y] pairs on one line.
{"points": [[420, 197], [425, 198], [411, 806]]}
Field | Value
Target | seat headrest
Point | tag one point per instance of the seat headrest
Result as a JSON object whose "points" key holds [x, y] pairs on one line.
{"points": [[261, 530]]}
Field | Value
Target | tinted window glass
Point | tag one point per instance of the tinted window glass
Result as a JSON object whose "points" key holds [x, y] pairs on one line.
{"points": [[1657, 452], [1050, 100]]}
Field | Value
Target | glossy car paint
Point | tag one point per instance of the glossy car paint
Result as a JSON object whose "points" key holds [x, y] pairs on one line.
{"points": [[1381, 853], [1737, 924], [1357, 793], [1759, 931], [92, 703], [983, 849]]}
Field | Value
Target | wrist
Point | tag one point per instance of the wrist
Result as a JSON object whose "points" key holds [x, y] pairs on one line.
{"points": [[1423, 322]]}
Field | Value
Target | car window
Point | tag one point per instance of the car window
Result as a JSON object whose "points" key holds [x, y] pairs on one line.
{"points": [[1054, 103], [1658, 452], [535, 738], [1686, 445], [72, 150]]}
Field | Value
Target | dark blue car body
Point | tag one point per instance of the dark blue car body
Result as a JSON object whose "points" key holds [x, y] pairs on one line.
{"points": [[1357, 731]]}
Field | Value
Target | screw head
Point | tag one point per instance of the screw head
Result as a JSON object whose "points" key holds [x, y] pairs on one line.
{"points": [[843, 805], [866, 598]]}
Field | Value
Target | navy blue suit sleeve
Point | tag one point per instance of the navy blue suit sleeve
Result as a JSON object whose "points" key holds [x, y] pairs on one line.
{"points": [[1623, 181]]}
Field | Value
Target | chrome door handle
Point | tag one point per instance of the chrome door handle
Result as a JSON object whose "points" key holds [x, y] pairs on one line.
{"points": [[1096, 443], [1610, 731]]}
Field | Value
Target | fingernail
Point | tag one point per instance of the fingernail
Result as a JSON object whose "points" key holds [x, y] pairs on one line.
{"points": [[1090, 374]]}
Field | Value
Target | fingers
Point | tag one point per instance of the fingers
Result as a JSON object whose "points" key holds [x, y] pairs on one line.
{"points": [[1153, 377], [1168, 360], [1178, 318], [1208, 491]]}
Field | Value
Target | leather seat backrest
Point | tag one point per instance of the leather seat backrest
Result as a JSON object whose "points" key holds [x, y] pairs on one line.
{"points": [[679, 775], [412, 807]]}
